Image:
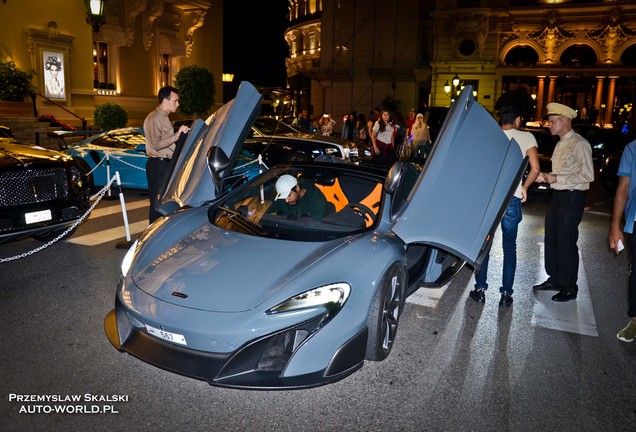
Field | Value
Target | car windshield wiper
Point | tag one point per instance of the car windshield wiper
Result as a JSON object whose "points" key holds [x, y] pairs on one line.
{"points": [[244, 222]]}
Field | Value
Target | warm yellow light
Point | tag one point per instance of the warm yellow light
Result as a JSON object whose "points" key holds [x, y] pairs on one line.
{"points": [[228, 77], [456, 80], [97, 7]]}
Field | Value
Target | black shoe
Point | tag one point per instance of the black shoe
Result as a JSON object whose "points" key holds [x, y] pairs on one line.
{"points": [[478, 295], [546, 286], [563, 296], [506, 300]]}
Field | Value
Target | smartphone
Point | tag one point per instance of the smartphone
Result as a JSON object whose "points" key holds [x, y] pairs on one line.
{"points": [[620, 245]]}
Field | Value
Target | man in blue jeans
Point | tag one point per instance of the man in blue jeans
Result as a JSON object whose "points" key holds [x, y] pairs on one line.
{"points": [[510, 122]]}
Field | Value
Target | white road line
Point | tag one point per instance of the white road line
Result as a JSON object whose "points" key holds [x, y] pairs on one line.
{"points": [[116, 208], [575, 316], [104, 236], [428, 297]]}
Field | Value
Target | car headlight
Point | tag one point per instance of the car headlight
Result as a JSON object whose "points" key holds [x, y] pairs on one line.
{"points": [[331, 296], [127, 262], [76, 177]]}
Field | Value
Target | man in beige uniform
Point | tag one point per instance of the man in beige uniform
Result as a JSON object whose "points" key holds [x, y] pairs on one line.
{"points": [[161, 141], [572, 173]]}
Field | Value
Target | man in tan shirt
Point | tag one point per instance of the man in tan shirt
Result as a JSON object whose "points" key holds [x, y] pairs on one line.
{"points": [[161, 141], [572, 173]]}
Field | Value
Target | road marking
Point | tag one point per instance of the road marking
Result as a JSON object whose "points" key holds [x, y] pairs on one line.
{"points": [[428, 297], [107, 235], [115, 208], [575, 316]]}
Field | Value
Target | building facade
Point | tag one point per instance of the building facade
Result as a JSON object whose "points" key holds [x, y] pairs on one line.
{"points": [[358, 55], [141, 47]]}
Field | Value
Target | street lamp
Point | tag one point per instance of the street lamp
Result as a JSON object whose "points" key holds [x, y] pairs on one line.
{"points": [[452, 89], [95, 13], [227, 77]]}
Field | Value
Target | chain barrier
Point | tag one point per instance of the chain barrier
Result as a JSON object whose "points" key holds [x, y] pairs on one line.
{"points": [[99, 196]]}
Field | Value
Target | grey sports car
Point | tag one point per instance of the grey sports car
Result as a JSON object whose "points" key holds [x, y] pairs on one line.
{"points": [[225, 290]]}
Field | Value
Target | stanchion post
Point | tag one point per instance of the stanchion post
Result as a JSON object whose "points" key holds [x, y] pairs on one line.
{"points": [[123, 244]]}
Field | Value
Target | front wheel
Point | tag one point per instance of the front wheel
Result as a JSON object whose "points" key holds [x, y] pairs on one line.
{"points": [[385, 313]]}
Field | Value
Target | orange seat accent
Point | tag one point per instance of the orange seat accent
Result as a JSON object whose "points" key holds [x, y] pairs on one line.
{"points": [[334, 195], [372, 201]]}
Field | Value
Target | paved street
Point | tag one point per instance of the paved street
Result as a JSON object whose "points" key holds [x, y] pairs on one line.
{"points": [[456, 365]]}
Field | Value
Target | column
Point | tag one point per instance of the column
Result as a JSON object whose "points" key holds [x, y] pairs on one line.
{"points": [[599, 91], [609, 105], [538, 115], [552, 89]]}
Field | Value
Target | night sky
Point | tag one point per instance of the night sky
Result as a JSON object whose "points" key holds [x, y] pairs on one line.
{"points": [[260, 57]]}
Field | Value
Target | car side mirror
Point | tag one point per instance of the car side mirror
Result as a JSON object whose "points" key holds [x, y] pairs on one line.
{"points": [[393, 178], [217, 162]]}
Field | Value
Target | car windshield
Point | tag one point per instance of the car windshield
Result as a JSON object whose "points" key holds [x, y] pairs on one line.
{"points": [[271, 126], [347, 201]]}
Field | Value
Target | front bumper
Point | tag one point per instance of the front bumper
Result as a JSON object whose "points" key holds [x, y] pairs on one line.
{"points": [[259, 364]]}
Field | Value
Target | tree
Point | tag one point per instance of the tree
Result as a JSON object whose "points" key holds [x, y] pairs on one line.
{"points": [[196, 90], [110, 116]]}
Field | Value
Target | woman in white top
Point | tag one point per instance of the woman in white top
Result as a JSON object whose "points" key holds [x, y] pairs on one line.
{"points": [[382, 137], [421, 136], [326, 125]]}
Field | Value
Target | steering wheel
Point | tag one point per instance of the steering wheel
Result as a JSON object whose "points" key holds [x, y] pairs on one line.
{"points": [[364, 212]]}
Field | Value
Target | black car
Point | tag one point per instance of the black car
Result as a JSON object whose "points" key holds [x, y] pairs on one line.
{"points": [[42, 192], [603, 141], [608, 172]]}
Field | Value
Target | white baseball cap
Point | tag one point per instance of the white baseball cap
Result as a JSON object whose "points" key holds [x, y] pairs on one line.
{"points": [[284, 186]]}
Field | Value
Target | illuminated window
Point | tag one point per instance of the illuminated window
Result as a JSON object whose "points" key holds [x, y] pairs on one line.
{"points": [[100, 63], [164, 70]]}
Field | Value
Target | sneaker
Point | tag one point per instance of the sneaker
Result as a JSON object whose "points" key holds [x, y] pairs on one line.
{"points": [[478, 295], [628, 333], [506, 300]]}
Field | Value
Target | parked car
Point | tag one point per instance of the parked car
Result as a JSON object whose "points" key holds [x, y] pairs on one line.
{"points": [[126, 150], [224, 291], [604, 141], [608, 172], [42, 192], [268, 126]]}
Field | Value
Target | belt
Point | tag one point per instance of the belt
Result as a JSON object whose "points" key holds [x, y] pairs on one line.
{"points": [[568, 190], [160, 158]]}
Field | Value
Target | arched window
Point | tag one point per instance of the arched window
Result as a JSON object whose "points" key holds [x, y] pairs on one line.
{"points": [[578, 55], [629, 56], [522, 56]]}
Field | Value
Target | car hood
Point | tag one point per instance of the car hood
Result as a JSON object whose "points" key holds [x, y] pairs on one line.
{"points": [[473, 165], [191, 182], [212, 269], [14, 153]]}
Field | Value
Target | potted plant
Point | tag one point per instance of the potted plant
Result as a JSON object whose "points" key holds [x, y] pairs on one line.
{"points": [[196, 90], [16, 83], [109, 116]]}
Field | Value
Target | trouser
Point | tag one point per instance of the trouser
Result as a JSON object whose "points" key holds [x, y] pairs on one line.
{"points": [[156, 171], [509, 228], [561, 234], [631, 278]]}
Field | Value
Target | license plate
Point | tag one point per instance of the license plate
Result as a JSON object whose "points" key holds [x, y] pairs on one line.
{"points": [[162, 334], [38, 216]]}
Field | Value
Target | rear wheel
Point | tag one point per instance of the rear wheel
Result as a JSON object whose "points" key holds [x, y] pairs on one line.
{"points": [[385, 313]]}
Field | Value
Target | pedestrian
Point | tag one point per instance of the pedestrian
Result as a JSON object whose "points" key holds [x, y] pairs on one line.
{"points": [[572, 173], [161, 141], [420, 137], [410, 120], [511, 120], [348, 126], [382, 138], [625, 205], [326, 125], [302, 120]]}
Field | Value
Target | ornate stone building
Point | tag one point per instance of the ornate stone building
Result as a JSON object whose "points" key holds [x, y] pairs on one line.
{"points": [[141, 47], [350, 54]]}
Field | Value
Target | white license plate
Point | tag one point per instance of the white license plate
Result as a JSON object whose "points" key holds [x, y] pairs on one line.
{"points": [[38, 216], [162, 334]]}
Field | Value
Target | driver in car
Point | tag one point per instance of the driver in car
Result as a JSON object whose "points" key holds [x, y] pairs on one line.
{"points": [[298, 199]]}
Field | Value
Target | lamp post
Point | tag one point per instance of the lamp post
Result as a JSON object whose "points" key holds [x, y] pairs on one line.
{"points": [[453, 89], [95, 13], [227, 80]]}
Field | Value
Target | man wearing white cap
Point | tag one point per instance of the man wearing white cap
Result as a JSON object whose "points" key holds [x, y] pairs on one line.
{"points": [[298, 199], [572, 173]]}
